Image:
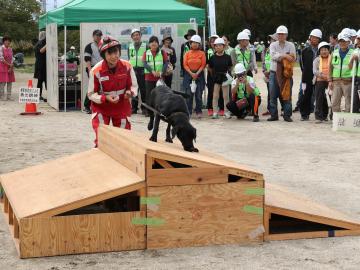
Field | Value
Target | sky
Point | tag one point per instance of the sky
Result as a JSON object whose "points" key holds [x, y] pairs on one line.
{"points": [[50, 4]]}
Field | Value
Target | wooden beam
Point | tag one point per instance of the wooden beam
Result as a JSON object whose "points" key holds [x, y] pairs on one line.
{"points": [[11, 215], [164, 163], [187, 176], [6, 204], [16, 228]]}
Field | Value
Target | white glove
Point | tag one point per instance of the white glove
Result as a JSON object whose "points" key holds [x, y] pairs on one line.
{"points": [[303, 86]]}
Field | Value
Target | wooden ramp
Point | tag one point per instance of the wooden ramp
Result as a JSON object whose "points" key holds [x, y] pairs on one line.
{"points": [[292, 216]]}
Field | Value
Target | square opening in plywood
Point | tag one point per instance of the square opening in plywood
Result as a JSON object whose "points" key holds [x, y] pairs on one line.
{"points": [[279, 224], [129, 202], [235, 178]]}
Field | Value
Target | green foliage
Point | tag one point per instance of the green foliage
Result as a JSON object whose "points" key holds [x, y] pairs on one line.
{"points": [[300, 16], [18, 19]]}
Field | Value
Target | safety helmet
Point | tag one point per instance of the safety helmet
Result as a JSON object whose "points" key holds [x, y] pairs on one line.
{"points": [[72, 48], [256, 43], [135, 30], [214, 36], [343, 36], [353, 32], [242, 36], [239, 69], [247, 31], [282, 29], [346, 32], [196, 38], [219, 41], [109, 42], [316, 33], [323, 44], [358, 34]]}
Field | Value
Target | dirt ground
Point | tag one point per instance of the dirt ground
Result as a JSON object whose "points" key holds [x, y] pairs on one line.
{"points": [[307, 158]]}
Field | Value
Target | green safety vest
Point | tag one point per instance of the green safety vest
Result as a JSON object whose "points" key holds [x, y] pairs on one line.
{"points": [[156, 63], [186, 49], [243, 58], [259, 49], [229, 50], [135, 56], [241, 93], [357, 69], [267, 60], [210, 52], [341, 67]]}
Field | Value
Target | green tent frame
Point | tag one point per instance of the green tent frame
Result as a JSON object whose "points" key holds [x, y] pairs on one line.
{"points": [[75, 12]]}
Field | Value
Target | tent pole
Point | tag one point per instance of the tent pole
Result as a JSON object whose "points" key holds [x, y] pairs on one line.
{"points": [[204, 38], [65, 82]]}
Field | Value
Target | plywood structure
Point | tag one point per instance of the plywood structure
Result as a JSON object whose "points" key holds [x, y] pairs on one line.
{"points": [[292, 216], [131, 193]]}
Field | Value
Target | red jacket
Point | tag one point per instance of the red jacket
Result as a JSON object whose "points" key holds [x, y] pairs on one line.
{"points": [[104, 81]]}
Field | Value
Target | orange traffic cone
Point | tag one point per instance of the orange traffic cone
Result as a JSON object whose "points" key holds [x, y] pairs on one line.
{"points": [[30, 108]]}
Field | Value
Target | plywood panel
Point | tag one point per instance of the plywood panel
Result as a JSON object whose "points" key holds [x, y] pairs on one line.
{"points": [[198, 215], [122, 149], [187, 176], [174, 152], [280, 201], [68, 183], [80, 234]]}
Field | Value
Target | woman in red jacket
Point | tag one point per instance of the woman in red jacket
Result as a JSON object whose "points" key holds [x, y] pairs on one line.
{"points": [[112, 83]]}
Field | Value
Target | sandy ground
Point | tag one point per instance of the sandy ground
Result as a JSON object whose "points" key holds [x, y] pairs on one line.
{"points": [[306, 157]]}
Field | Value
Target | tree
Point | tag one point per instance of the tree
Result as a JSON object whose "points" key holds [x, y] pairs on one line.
{"points": [[19, 19]]}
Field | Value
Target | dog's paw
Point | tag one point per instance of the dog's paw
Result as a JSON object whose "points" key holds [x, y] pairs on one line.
{"points": [[153, 139], [169, 140], [195, 150], [150, 126]]}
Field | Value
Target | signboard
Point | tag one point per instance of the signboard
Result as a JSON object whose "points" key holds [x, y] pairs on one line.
{"points": [[29, 95], [346, 122]]}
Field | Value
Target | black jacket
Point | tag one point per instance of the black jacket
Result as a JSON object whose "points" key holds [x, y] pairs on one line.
{"points": [[307, 59]]}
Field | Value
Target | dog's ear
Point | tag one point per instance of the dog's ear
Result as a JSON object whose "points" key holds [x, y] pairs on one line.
{"points": [[174, 131]]}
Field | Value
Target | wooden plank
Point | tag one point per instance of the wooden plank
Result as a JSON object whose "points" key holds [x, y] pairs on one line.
{"points": [[282, 202], [164, 163], [80, 234], [68, 183], [199, 215], [11, 215], [6, 204], [11, 229], [310, 235], [174, 152], [187, 176], [123, 150], [16, 228]]}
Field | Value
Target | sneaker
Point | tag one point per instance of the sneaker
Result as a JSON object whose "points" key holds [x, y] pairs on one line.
{"points": [[304, 118], [273, 118], [210, 112], [287, 119], [215, 116], [266, 113], [256, 118], [221, 112], [227, 115]]}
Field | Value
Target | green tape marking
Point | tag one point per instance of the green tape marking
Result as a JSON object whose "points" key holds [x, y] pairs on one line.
{"points": [[255, 191], [150, 200], [148, 221], [253, 209]]}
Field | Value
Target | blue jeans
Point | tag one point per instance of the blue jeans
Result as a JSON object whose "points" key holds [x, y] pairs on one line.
{"points": [[275, 95], [200, 85]]}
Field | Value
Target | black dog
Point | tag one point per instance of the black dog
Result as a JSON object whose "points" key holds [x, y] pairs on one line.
{"points": [[172, 109]]}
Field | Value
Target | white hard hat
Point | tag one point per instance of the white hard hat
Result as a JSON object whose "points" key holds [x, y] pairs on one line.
{"points": [[219, 41], [323, 44], [247, 31], [343, 36], [353, 33], [242, 36], [346, 32], [316, 33], [214, 36], [239, 68], [72, 48], [261, 42], [358, 34], [256, 43], [135, 30], [282, 29], [196, 38]]}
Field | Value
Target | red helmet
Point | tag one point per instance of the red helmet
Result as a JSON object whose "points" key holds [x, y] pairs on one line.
{"points": [[109, 42]]}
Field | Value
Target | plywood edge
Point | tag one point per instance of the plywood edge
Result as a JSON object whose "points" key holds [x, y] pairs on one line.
{"points": [[310, 235], [310, 217], [11, 229], [90, 200], [201, 164], [187, 176]]}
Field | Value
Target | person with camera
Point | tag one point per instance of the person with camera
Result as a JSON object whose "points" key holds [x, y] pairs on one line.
{"points": [[220, 65], [245, 95]]}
